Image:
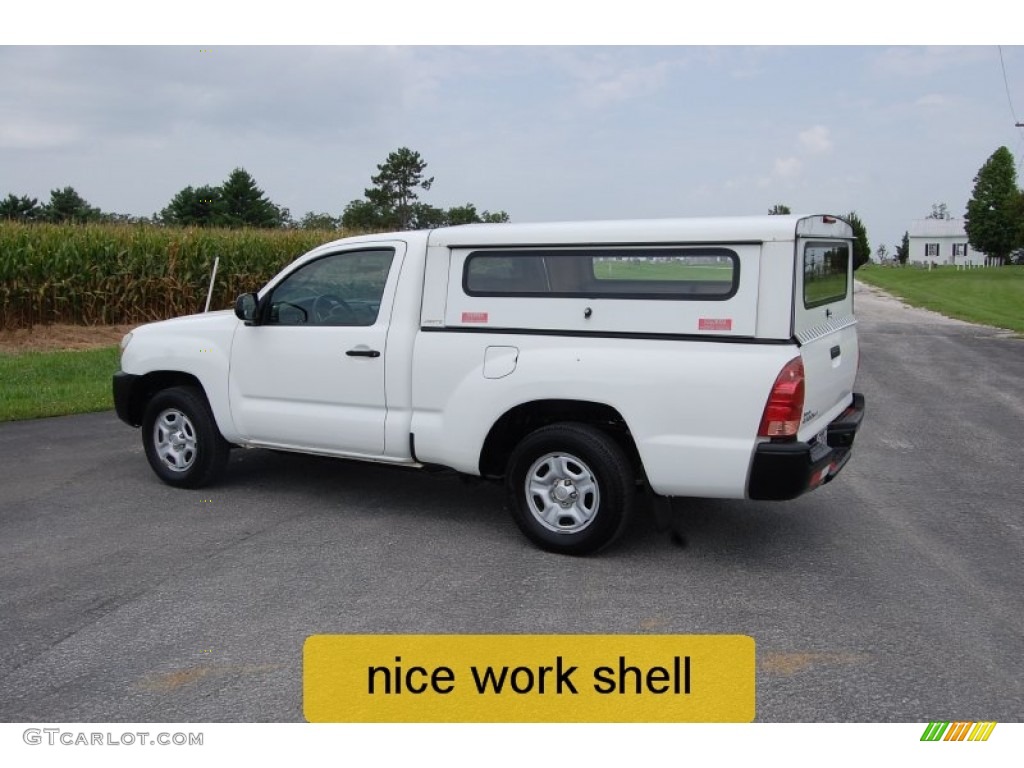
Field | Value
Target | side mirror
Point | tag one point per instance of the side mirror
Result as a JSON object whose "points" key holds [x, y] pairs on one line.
{"points": [[245, 308]]}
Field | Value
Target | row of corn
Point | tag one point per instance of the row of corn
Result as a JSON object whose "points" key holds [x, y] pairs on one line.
{"points": [[95, 274]]}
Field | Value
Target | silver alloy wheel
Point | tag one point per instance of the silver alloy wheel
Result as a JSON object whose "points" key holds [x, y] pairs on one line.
{"points": [[562, 493], [174, 438]]}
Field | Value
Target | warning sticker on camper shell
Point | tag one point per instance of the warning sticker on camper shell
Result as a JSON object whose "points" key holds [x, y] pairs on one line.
{"points": [[713, 323]]}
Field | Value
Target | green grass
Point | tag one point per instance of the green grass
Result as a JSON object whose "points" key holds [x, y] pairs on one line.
{"points": [[662, 269], [991, 296], [824, 288], [38, 384]]}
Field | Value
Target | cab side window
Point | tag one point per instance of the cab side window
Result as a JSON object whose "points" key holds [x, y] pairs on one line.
{"points": [[338, 289]]}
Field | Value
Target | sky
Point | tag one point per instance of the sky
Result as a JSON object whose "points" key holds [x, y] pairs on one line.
{"points": [[544, 132]]}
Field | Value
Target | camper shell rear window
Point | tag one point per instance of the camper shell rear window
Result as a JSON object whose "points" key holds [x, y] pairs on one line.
{"points": [[614, 273], [826, 273]]}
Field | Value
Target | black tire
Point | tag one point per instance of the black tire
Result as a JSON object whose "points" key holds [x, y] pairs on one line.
{"points": [[182, 442], [572, 488]]}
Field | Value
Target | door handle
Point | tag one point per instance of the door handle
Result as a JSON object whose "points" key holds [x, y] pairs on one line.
{"points": [[835, 351], [363, 353]]}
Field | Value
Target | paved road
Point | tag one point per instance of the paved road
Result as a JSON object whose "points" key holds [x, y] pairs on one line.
{"points": [[894, 594]]}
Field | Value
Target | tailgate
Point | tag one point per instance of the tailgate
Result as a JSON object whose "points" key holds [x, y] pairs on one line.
{"points": [[824, 325]]}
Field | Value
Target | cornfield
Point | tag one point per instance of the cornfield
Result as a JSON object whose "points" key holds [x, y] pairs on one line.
{"points": [[97, 274]]}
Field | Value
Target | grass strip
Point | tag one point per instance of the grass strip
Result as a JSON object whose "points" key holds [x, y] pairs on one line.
{"points": [[990, 296], [38, 384]]}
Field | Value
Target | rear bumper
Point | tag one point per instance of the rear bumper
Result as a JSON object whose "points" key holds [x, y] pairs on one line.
{"points": [[787, 470]]}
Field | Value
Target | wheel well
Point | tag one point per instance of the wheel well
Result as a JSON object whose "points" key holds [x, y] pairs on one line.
{"points": [[518, 422], [152, 383]]}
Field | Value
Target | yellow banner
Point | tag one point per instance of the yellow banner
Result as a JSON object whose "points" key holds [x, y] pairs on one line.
{"points": [[528, 678]]}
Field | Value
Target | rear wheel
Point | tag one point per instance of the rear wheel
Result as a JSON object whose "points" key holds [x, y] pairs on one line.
{"points": [[182, 442], [572, 488]]}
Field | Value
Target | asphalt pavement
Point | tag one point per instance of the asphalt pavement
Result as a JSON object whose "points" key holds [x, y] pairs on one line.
{"points": [[895, 593]]}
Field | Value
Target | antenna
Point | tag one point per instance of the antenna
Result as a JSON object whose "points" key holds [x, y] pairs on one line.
{"points": [[213, 276]]}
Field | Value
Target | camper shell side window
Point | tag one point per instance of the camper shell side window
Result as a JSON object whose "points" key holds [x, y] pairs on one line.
{"points": [[708, 274]]}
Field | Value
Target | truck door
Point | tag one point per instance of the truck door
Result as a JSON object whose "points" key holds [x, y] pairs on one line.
{"points": [[310, 374], [824, 325]]}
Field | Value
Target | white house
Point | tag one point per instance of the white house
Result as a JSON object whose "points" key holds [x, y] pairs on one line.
{"points": [[942, 241]]}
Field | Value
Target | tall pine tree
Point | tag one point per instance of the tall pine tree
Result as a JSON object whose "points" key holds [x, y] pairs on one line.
{"points": [[243, 204], [993, 213]]}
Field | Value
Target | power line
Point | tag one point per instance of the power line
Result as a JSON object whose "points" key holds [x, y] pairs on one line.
{"points": [[1006, 84], [1009, 100]]}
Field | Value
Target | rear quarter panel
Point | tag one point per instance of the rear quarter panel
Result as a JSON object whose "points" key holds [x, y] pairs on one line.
{"points": [[693, 407]]}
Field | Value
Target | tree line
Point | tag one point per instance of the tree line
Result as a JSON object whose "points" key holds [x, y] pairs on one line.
{"points": [[390, 203], [994, 219], [64, 205]]}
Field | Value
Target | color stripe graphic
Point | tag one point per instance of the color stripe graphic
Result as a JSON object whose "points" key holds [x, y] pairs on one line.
{"points": [[958, 731]]}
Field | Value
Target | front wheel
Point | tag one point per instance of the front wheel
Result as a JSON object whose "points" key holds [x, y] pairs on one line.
{"points": [[182, 442], [572, 488]]}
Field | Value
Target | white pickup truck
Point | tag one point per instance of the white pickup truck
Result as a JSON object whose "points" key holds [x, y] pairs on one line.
{"points": [[574, 361]]}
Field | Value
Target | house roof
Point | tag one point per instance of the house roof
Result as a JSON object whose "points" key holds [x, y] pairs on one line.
{"points": [[937, 228]]}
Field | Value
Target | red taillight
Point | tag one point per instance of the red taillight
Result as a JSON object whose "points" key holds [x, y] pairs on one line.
{"points": [[785, 406]]}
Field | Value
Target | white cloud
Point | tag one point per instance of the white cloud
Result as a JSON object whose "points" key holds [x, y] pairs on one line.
{"points": [[36, 135], [788, 167], [815, 140], [934, 100], [629, 84], [928, 61], [608, 76]]}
